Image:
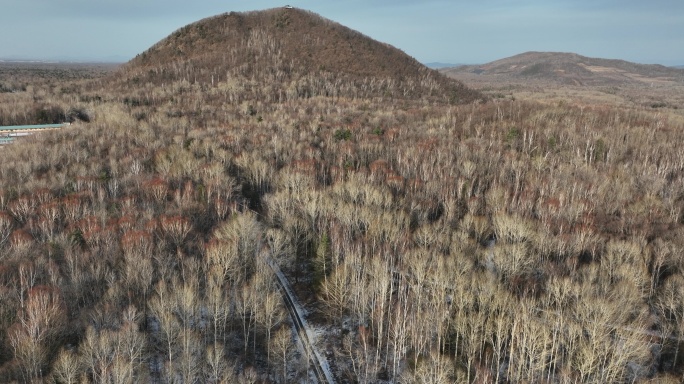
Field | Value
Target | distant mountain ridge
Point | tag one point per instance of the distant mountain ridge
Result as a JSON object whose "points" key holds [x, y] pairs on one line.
{"points": [[438, 65], [572, 69], [112, 59], [292, 52]]}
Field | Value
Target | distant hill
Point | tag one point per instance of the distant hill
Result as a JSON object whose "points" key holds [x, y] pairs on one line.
{"points": [[678, 66], [289, 53], [570, 68], [113, 59], [17, 73], [436, 65]]}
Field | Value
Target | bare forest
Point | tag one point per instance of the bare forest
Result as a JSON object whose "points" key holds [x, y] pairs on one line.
{"points": [[431, 234]]}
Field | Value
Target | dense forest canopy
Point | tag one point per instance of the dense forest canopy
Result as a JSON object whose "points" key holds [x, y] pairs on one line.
{"points": [[432, 236]]}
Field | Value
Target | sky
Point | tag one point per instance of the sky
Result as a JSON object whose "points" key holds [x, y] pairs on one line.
{"points": [[457, 32]]}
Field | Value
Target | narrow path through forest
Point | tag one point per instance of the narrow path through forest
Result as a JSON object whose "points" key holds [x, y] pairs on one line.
{"points": [[320, 364]]}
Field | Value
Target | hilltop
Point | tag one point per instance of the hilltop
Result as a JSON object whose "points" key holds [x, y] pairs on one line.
{"points": [[570, 69], [293, 53]]}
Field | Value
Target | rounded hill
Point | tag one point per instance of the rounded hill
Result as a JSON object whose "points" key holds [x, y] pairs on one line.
{"points": [[294, 53], [571, 69]]}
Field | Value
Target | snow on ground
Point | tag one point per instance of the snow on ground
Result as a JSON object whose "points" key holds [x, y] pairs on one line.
{"points": [[299, 310]]}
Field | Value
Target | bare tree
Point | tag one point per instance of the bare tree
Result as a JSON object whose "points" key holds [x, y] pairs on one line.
{"points": [[218, 369], [5, 227], [175, 228], [243, 232], [161, 307], [67, 367], [246, 308], [281, 349], [40, 322]]}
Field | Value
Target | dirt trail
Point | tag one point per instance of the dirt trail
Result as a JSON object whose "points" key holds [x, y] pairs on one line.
{"points": [[320, 364]]}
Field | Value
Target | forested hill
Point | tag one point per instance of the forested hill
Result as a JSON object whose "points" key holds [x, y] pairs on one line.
{"points": [[294, 53]]}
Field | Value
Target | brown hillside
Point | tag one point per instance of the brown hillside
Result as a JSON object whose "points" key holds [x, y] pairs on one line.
{"points": [[295, 53], [572, 69]]}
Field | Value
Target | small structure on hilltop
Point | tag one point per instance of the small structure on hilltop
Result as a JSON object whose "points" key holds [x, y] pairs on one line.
{"points": [[288, 7]]}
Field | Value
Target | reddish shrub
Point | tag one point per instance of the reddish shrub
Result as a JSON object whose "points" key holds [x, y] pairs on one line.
{"points": [[21, 239]]}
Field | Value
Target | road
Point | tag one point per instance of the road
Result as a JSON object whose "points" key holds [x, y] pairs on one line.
{"points": [[9, 133], [320, 364]]}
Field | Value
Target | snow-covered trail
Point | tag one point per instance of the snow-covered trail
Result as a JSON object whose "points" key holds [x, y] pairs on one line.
{"points": [[320, 364]]}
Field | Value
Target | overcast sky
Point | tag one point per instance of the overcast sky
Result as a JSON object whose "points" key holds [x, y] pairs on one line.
{"points": [[473, 31]]}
